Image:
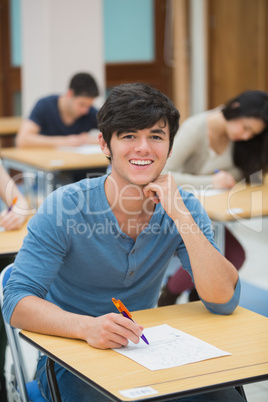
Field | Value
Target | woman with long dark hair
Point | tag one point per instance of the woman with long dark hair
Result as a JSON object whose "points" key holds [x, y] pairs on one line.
{"points": [[216, 149]]}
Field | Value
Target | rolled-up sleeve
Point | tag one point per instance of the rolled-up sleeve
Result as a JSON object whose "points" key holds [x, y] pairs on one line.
{"points": [[225, 308], [201, 218]]}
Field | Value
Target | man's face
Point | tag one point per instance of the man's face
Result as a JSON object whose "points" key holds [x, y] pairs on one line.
{"points": [[139, 156], [80, 105]]}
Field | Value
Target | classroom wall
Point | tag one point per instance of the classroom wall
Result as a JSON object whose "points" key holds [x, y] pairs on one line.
{"points": [[59, 38], [198, 56]]}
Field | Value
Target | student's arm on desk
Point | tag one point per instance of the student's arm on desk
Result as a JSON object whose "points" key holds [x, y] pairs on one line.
{"points": [[36, 268], [222, 179], [15, 218], [107, 331], [29, 136], [215, 277]]}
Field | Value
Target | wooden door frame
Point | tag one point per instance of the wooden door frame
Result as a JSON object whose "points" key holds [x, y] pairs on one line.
{"points": [[259, 57], [10, 77]]}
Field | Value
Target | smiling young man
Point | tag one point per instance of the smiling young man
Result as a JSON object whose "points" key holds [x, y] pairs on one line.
{"points": [[63, 120], [114, 236]]}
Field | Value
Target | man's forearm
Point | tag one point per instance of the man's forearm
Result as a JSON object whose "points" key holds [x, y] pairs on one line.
{"points": [[215, 277], [38, 140], [107, 331], [38, 315]]}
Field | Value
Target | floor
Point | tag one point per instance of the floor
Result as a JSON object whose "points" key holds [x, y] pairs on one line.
{"points": [[253, 235]]}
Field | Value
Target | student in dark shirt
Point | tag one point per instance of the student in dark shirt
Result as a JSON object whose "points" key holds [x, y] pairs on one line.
{"points": [[63, 120]]}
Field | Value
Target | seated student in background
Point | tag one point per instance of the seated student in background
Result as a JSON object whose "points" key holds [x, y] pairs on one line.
{"points": [[215, 149], [14, 218], [9, 220], [114, 236], [63, 120]]}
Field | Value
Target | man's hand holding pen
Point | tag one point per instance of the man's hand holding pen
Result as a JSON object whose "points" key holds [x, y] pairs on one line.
{"points": [[110, 331]]}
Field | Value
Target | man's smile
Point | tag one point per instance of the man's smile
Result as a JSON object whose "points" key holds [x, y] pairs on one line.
{"points": [[141, 162]]}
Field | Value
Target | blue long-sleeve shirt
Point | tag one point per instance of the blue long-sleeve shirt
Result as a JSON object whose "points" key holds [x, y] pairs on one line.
{"points": [[76, 256]]}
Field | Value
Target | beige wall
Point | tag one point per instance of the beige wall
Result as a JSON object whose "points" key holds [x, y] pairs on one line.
{"points": [[59, 38]]}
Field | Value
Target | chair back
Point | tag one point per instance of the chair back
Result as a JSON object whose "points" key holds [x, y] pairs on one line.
{"points": [[21, 384]]}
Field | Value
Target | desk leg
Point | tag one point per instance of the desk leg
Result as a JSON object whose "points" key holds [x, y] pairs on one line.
{"points": [[46, 183], [219, 235], [241, 391], [52, 381]]}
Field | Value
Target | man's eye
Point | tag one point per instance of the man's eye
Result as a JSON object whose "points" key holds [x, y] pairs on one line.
{"points": [[156, 137], [128, 136]]}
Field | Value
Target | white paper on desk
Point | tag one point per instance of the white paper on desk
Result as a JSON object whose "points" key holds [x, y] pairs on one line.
{"points": [[210, 192], [168, 348], [84, 149]]}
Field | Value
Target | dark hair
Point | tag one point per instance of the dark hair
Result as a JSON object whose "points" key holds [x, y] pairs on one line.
{"points": [[136, 106], [83, 84], [252, 155]]}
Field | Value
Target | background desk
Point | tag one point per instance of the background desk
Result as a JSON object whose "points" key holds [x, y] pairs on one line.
{"points": [[51, 159], [11, 240], [9, 127], [244, 334], [242, 201], [45, 162]]}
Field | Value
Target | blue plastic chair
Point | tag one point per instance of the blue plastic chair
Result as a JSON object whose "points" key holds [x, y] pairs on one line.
{"points": [[27, 391]]}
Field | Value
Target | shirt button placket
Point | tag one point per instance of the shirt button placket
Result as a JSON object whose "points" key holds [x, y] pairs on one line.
{"points": [[132, 265]]}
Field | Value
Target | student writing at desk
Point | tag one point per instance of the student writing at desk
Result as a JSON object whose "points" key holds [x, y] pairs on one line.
{"points": [[12, 217], [114, 236], [215, 149], [63, 120]]}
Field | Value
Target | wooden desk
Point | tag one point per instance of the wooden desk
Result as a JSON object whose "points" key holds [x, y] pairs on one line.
{"points": [[9, 126], [244, 334], [11, 240], [241, 202], [45, 162], [51, 159]]}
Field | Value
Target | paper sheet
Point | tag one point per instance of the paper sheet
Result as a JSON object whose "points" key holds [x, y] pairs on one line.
{"points": [[168, 348], [84, 149], [210, 192]]}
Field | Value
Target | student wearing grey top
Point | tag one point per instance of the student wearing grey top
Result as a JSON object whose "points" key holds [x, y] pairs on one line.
{"points": [[216, 149]]}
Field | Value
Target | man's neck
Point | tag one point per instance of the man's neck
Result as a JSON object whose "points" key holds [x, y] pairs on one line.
{"points": [[65, 110], [127, 199]]}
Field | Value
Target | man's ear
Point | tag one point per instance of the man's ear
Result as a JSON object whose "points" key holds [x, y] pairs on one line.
{"points": [[235, 105], [170, 152], [70, 93], [103, 145]]}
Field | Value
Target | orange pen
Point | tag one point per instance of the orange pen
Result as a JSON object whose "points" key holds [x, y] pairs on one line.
{"points": [[13, 203], [124, 311]]}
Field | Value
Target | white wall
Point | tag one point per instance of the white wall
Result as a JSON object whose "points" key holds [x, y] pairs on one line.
{"points": [[198, 56], [59, 39]]}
